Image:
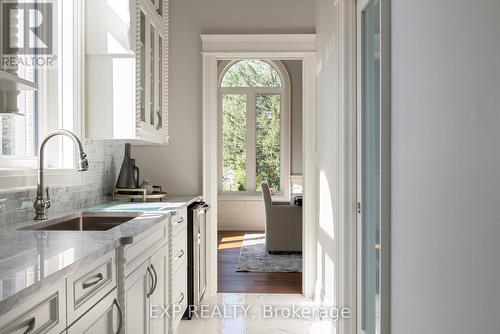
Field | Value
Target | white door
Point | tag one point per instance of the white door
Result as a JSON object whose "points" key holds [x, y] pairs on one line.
{"points": [[159, 293], [106, 317], [369, 162], [137, 288]]}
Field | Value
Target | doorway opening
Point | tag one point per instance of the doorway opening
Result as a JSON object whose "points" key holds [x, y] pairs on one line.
{"points": [[259, 217], [229, 50]]}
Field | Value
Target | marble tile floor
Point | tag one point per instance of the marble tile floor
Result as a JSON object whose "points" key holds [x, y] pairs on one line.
{"points": [[254, 322]]}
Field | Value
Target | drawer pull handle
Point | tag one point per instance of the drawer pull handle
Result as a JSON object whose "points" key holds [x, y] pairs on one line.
{"points": [[120, 314], [182, 298], [152, 282], [181, 254], [96, 279], [31, 326], [180, 221], [155, 279]]}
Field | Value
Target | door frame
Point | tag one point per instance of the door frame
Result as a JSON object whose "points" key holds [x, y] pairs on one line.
{"points": [[279, 47], [385, 162]]}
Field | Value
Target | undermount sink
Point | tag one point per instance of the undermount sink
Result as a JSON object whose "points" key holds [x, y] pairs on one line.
{"points": [[84, 222]]}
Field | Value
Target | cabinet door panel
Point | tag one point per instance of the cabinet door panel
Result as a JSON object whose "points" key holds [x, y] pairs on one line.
{"points": [[135, 65], [159, 263], [137, 286], [104, 318], [179, 293]]}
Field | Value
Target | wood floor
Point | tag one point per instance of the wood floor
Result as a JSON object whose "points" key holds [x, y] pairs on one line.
{"points": [[229, 244]]}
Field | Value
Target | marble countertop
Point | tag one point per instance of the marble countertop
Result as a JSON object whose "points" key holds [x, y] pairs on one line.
{"points": [[33, 259], [172, 203]]}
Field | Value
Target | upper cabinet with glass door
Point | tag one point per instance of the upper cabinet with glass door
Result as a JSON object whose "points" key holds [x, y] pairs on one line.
{"points": [[127, 70]]}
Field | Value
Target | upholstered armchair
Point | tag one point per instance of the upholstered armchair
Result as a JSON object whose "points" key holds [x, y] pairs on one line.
{"points": [[283, 224]]}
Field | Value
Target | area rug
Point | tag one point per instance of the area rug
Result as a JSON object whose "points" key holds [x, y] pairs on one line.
{"points": [[255, 258]]}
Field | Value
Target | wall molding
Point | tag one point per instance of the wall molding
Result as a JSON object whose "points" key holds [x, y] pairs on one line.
{"points": [[256, 43], [346, 178]]}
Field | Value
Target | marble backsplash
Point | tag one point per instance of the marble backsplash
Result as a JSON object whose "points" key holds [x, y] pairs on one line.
{"points": [[105, 158]]}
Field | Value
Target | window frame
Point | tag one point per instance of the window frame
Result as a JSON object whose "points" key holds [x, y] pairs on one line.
{"points": [[19, 172], [285, 131]]}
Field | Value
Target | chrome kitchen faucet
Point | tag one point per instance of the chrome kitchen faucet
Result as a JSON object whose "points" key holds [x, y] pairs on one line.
{"points": [[42, 203]]}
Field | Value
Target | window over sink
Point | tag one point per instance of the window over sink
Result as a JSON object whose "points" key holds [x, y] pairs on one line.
{"points": [[53, 100], [41, 83]]}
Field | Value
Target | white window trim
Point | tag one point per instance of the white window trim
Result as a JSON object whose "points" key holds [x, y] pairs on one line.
{"points": [[19, 173], [285, 131], [13, 180]]}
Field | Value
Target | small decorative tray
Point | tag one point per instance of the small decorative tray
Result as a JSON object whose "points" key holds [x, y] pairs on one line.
{"points": [[139, 194]]}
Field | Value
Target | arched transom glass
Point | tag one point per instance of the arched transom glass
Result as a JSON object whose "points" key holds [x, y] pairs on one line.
{"points": [[251, 73]]}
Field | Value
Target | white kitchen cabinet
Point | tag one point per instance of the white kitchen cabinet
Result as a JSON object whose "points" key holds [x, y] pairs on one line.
{"points": [[126, 66], [146, 286], [179, 294], [159, 324], [137, 287], [44, 313], [179, 222], [178, 267], [125, 290], [106, 317], [143, 246], [90, 284], [179, 251]]}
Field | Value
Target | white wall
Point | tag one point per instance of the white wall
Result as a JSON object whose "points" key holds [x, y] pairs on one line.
{"points": [[178, 166], [327, 115], [241, 215], [445, 166]]}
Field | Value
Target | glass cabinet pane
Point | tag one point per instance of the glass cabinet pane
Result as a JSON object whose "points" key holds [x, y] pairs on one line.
{"points": [[370, 166], [160, 83], [152, 76], [142, 66]]}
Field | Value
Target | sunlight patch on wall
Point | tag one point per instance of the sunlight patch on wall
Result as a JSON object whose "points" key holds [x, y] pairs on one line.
{"points": [[325, 206]]}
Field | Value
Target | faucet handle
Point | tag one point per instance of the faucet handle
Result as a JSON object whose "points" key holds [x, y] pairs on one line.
{"points": [[47, 198]]}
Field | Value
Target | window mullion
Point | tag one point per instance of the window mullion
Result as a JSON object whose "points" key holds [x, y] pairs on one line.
{"points": [[251, 142]]}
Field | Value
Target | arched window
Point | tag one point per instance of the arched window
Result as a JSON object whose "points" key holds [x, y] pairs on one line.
{"points": [[251, 73], [255, 126]]}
